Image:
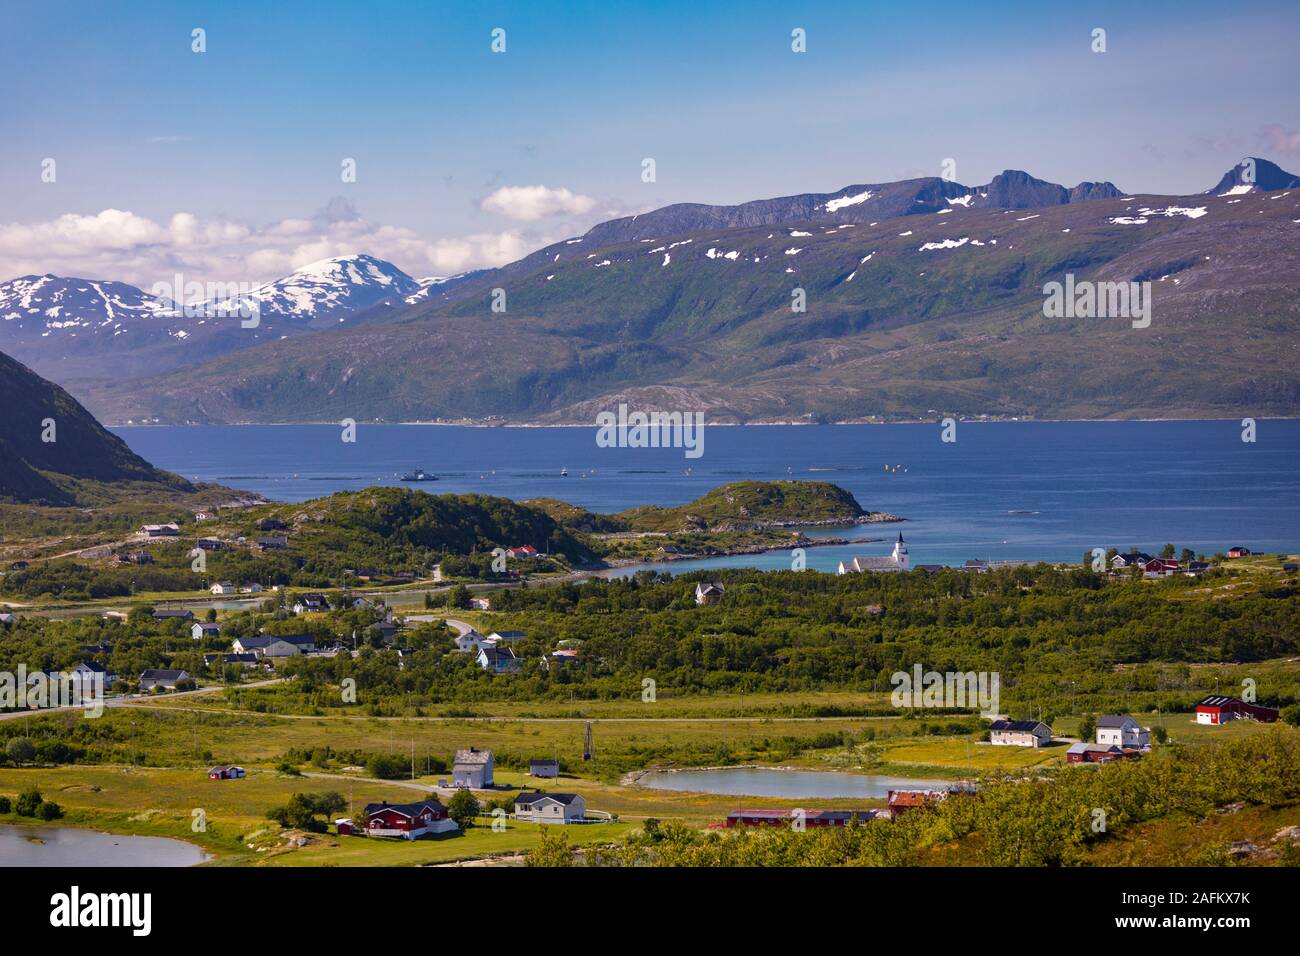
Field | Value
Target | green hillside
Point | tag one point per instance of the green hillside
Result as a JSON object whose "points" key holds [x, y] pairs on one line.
{"points": [[53, 452], [905, 318]]}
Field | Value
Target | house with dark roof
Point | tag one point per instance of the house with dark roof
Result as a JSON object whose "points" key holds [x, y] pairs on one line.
{"points": [[708, 592], [226, 772], [166, 679], [274, 645], [1120, 730], [406, 821], [544, 768], [177, 615], [202, 629], [1019, 733], [1130, 560], [550, 808], [234, 660], [499, 660]]}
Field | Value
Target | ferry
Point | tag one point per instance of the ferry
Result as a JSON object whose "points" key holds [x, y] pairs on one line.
{"points": [[418, 475]]}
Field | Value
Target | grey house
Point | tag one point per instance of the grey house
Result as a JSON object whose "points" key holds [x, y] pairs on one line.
{"points": [[166, 679], [550, 808], [544, 768], [472, 768]]}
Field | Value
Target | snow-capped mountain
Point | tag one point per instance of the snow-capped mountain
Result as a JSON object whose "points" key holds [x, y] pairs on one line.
{"points": [[1254, 175], [70, 328], [49, 304], [329, 291]]}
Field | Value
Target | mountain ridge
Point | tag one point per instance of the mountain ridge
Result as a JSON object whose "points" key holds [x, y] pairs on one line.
{"points": [[905, 317]]}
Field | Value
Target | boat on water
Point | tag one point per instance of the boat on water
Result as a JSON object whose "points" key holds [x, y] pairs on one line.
{"points": [[564, 473], [418, 475]]}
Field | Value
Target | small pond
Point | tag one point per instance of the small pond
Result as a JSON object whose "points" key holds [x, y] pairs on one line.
{"points": [[70, 846]]}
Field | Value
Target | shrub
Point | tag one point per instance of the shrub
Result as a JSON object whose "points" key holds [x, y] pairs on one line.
{"points": [[28, 802]]}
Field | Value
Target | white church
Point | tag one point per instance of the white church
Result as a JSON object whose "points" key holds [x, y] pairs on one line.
{"points": [[898, 561]]}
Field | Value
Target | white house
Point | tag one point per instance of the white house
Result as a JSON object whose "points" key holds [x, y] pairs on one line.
{"points": [[505, 638], [708, 592], [223, 587], [471, 640], [311, 604], [274, 645], [472, 768], [1122, 731], [1019, 733], [550, 808], [202, 629], [898, 560], [499, 660]]}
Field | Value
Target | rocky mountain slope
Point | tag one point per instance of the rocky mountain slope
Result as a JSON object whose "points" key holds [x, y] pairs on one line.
{"points": [[938, 309]]}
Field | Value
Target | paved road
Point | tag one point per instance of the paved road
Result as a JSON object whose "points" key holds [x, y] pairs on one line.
{"points": [[135, 700]]}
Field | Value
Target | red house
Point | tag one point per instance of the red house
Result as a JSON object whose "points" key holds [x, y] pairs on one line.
{"points": [[1220, 710], [525, 551], [407, 820], [903, 800], [1160, 568], [1239, 552]]}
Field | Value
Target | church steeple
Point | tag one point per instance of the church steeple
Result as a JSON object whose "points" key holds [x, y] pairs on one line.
{"points": [[900, 552]]}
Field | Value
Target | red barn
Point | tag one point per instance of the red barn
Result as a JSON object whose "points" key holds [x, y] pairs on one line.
{"points": [[407, 820], [1219, 710]]}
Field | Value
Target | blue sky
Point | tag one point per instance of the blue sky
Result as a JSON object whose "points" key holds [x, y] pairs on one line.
{"points": [[249, 136]]}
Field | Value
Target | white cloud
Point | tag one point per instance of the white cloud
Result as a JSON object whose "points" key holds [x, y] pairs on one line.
{"points": [[530, 203], [1279, 140], [120, 245]]}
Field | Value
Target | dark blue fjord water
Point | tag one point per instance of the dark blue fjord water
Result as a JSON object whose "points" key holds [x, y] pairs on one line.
{"points": [[1026, 490]]}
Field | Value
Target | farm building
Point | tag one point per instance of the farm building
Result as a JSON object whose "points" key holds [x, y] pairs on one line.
{"points": [[543, 768], [1219, 710], [472, 768], [1098, 753], [550, 807], [226, 772]]}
